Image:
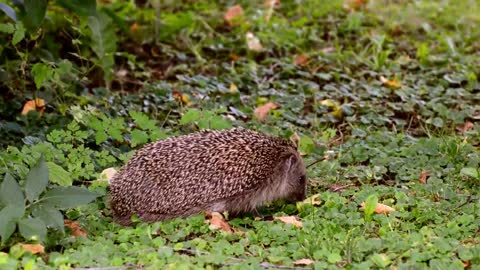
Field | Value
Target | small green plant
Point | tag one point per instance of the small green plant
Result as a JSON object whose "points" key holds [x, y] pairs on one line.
{"points": [[205, 119], [35, 206]]}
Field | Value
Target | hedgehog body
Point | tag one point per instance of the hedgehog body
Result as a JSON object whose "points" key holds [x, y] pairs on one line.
{"points": [[234, 170]]}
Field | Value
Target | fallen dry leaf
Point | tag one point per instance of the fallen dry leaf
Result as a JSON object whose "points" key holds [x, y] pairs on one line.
{"points": [[465, 127], [234, 57], [134, 27], [390, 83], [301, 60], [37, 104], [218, 223], [290, 220], [334, 108], [253, 43], [352, 5], [233, 15], [295, 139], [261, 112], [328, 50], [33, 248], [185, 99], [423, 177], [303, 262], [380, 208], [75, 227], [107, 174], [233, 88], [269, 3]]}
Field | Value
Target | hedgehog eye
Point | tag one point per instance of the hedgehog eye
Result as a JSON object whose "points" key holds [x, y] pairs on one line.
{"points": [[302, 179]]}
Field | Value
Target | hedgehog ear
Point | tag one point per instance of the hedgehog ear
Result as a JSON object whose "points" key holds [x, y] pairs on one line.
{"points": [[295, 140], [289, 162]]}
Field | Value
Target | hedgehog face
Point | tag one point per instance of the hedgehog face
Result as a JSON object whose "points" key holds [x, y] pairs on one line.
{"points": [[293, 178]]}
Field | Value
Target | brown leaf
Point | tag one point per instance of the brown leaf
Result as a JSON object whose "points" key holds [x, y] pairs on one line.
{"points": [[423, 177], [261, 112], [390, 83], [380, 208], [218, 223], [37, 104], [33, 248], [465, 127], [75, 227], [301, 60], [290, 220], [233, 15], [303, 262]]}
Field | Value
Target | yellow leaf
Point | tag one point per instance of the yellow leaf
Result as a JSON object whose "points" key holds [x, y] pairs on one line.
{"points": [[107, 174], [217, 222], [75, 227], [301, 60], [334, 108], [33, 248], [37, 104], [233, 15], [261, 112], [379, 208], [134, 27], [233, 88], [290, 220], [423, 177], [390, 83]]}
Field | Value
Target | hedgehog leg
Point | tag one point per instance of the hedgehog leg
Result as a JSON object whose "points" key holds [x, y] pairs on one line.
{"points": [[123, 220], [257, 214]]}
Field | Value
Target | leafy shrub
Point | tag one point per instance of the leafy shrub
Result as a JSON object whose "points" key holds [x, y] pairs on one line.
{"points": [[35, 206]]}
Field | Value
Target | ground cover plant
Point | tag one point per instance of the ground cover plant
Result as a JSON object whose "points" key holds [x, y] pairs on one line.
{"points": [[382, 96]]}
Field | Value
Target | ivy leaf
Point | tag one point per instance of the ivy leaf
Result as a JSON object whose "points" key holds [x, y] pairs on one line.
{"points": [[50, 216], [37, 180], [68, 197], [32, 228], [11, 192], [8, 217], [58, 175]]}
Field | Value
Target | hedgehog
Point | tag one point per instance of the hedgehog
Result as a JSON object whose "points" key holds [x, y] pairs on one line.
{"points": [[234, 170]]}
